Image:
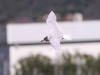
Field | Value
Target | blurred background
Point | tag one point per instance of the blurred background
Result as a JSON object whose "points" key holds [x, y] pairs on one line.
{"points": [[22, 27]]}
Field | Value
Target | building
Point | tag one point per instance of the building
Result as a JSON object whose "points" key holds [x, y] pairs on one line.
{"points": [[24, 39]]}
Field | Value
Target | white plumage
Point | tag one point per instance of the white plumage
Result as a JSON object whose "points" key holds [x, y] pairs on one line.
{"points": [[55, 34]]}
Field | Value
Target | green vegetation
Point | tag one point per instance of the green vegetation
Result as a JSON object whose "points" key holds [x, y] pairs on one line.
{"points": [[77, 64], [32, 10]]}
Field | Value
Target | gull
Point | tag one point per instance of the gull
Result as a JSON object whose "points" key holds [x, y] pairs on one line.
{"points": [[55, 35]]}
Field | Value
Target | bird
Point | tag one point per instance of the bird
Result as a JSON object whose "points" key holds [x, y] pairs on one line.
{"points": [[55, 33]]}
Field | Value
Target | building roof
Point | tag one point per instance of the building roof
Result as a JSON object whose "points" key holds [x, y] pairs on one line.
{"points": [[34, 32]]}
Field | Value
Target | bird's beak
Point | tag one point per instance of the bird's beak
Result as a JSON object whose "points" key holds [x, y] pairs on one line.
{"points": [[42, 40]]}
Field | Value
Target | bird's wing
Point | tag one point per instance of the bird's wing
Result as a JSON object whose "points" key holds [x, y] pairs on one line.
{"points": [[53, 25], [55, 42]]}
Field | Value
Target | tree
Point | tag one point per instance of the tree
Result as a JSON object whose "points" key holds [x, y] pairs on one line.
{"points": [[67, 66], [34, 9], [77, 64], [35, 65]]}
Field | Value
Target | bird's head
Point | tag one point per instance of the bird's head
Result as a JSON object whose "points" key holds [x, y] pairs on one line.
{"points": [[45, 39]]}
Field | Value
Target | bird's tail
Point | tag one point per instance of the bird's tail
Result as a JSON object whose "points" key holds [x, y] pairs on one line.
{"points": [[67, 37]]}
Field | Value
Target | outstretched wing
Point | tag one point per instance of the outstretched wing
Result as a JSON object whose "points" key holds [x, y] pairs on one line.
{"points": [[55, 42], [53, 25]]}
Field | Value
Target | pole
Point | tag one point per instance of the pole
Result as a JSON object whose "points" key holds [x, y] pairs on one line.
{"points": [[56, 65]]}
